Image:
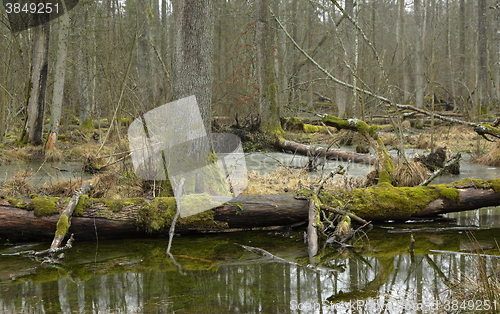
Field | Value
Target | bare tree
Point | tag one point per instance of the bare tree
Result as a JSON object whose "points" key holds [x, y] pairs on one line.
{"points": [[402, 49]]}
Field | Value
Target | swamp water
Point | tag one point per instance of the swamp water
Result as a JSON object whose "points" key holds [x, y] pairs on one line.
{"points": [[216, 275]]}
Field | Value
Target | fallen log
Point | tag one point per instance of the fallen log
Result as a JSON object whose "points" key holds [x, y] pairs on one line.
{"points": [[335, 154], [130, 218]]}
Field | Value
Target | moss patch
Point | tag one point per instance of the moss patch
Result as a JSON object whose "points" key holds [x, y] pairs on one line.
{"points": [[62, 226], [154, 216], [309, 128], [478, 183], [19, 203], [448, 192], [83, 202], [384, 201], [158, 215], [43, 205], [116, 205], [292, 124], [87, 125]]}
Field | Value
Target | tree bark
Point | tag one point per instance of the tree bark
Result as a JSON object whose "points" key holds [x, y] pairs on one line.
{"points": [[268, 98], [59, 80], [482, 56], [419, 56], [39, 73], [192, 66]]}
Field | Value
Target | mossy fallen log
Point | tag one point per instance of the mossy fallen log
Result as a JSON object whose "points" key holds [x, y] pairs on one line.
{"points": [[138, 217]]}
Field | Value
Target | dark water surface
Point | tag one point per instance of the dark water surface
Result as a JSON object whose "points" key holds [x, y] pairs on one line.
{"points": [[216, 275]]}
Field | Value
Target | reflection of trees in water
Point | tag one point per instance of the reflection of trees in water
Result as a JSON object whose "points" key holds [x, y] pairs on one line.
{"points": [[383, 283]]}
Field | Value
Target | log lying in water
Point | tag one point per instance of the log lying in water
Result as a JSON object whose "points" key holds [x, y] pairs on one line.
{"points": [[309, 150], [140, 218]]}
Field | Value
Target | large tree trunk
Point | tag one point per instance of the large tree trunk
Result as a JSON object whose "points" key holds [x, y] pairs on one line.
{"points": [[39, 73], [482, 62], [268, 98], [192, 66], [59, 80], [419, 56], [138, 218]]}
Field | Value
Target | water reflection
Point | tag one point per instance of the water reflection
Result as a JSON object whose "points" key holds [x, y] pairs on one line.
{"points": [[220, 277]]}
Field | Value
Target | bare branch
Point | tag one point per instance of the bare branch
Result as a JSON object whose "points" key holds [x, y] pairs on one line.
{"points": [[326, 72]]}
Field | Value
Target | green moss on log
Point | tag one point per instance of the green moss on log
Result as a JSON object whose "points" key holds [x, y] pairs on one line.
{"points": [[62, 226], [292, 124], [116, 205], [43, 206], [158, 215], [309, 128], [351, 124], [493, 184], [83, 202], [384, 201], [16, 202]]}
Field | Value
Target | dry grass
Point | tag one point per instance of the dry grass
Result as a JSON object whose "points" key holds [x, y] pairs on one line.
{"points": [[54, 154], [17, 186], [491, 158], [457, 138], [287, 180], [15, 154], [409, 173], [483, 285], [62, 188]]}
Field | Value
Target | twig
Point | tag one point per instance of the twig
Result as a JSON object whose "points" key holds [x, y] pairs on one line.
{"points": [[351, 215], [338, 170], [480, 129], [63, 224], [122, 92], [52, 251], [330, 76]]}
